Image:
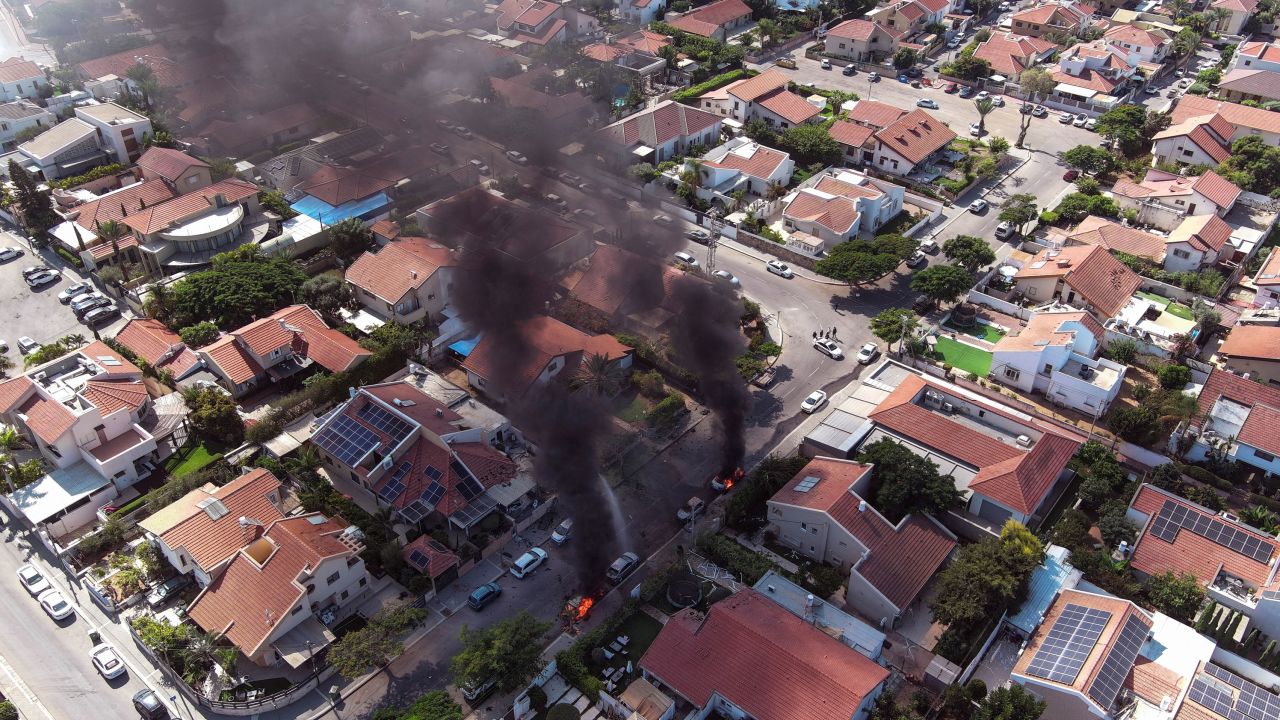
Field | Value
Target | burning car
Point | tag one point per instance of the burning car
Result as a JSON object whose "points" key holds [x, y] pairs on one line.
{"points": [[722, 483], [577, 609]]}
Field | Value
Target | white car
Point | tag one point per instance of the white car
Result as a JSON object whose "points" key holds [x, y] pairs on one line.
{"points": [[687, 260], [998, 100], [107, 661], [927, 103], [9, 253], [917, 259], [816, 399], [41, 279], [33, 580], [1066, 118], [55, 604], [1091, 124], [953, 43], [826, 64], [74, 291], [828, 347], [867, 353], [779, 268], [563, 532], [1004, 229], [982, 95], [528, 562], [517, 157], [978, 206], [663, 220], [728, 277], [26, 345], [975, 129], [1080, 120]]}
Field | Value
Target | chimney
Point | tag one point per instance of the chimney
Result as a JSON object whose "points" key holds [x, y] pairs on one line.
{"points": [[249, 529], [862, 506], [439, 412], [413, 274]]}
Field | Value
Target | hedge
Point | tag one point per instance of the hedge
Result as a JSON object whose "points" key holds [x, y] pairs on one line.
{"points": [[707, 86], [131, 506], [99, 172], [728, 554]]}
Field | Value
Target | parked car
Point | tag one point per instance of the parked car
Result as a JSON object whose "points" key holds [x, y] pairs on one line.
{"points": [[517, 157], [927, 103], [978, 206], [48, 277], [816, 399], [528, 562], [445, 124], [1004, 229], [1091, 124], [903, 78], [922, 304], [687, 260], [930, 246], [439, 148], [570, 179], [702, 237], [917, 259], [74, 290], [1066, 118], [873, 76], [30, 270], [728, 277], [915, 72], [82, 305], [950, 88], [462, 131], [556, 202], [1151, 90], [107, 661], [33, 580], [983, 95], [148, 705], [622, 567], [483, 595], [828, 347], [55, 604], [691, 509], [1039, 111], [867, 353], [167, 590], [9, 253], [1080, 120], [779, 268], [826, 64], [663, 220], [849, 69], [966, 91], [953, 43], [1071, 175], [563, 532], [100, 315], [997, 100], [480, 166], [475, 693], [26, 345], [975, 129]]}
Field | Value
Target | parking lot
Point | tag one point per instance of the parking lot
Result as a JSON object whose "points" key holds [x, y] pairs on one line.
{"points": [[37, 314]]}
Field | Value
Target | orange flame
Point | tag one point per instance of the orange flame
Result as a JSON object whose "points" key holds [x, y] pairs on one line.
{"points": [[584, 607], [732, 478]]}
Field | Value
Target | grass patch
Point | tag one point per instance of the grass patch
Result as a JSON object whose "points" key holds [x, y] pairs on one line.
{"points": [[982, 331], [1179, 310], [1157, 299], [634, 412], [190, 458], [965, 357]]}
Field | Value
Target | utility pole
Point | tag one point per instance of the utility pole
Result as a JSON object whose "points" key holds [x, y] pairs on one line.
{"points": [[714, 240]]}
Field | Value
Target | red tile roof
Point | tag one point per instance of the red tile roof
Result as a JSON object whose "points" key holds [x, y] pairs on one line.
{"points": [[233, 360], [1134, 35], [104, 250], [874, 113], [847, 133], [1091, 271], [838, 214], [915, 136], [439, 558], [1048, 327], [169, 72], [1153, 682], [247, 600], [758, 86], [1205, 232], [644, 41], [1239, 116], [1011, 54], [1189, 552], [764, 660], [751, 159], [788, 106], [48, 419], [210, 540], [525, 91], [601, 52], [388, 229], [16, 69], [707, 19], [1263, 83], [231, 135], [544, 35], [1114, 236], [1253, 341], [1088, 78], [121, 203], [1022, 483], [1269, 273], [1068, 15], [112, 395], [317, 341], [156, 218], [611, 282], [858, 30], [168, 164], [489, 467], [98, 350], [425, 410], [151, 340], [336, 185], [660, 125], [1219, 190], [13, 391], [1262, 429], [1269, 51], [547, 339], [900, 560], [391, 273]]}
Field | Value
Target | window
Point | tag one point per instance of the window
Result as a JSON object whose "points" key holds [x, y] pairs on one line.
{"points": [[1264, 456], [804, 526], [1179, 202], [182, 560], [193, 180], [363, 581], [1181, 253], [351, 561], [310, 589], [1187, 153], [295, 611], [1012, 373], [1048, 369], [344, 594], [331, 579]]}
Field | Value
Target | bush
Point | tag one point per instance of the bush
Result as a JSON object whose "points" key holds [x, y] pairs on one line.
{"points": [[95, 174], [563, 711], [714, 83], [664, 415], [131, 506], [199, 335], [649, 383], [1202, 621], [1135, 424], [735, 558], [746, 507], [8, 711], [1174, 377]]}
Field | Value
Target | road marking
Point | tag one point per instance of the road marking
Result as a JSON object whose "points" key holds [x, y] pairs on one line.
{"points": [[17, 682]]}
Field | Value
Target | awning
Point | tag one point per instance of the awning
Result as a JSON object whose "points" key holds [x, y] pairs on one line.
{"points": [[306, 638], [507, 493], [364, 320], [57, 491], [1075, 91], [642, 151], [464, 347], [997, 78]]}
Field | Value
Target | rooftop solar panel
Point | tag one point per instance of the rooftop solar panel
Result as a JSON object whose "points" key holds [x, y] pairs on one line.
{"points": [[346, 440], [1175, 516], [468, 485], [1216, 689], [1124, 651], [382, 419], [419, 560], [1068, 643]]}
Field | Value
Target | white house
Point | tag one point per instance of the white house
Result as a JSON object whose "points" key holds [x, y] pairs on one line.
{"points": [[121, 131], [407, 280], [740, 164], [660, 133], [908, 142], [641, 12], [1257, 56], [1195, 243], [1237, 420], [1056, 354], [1242, 119], [764, 96], [17, 117], [21, 79], [1202, 140], [1139, 45], [1163, 199], [840, 206], [1266, 282]]}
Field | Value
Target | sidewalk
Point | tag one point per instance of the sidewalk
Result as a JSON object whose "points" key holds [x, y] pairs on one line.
{"points": [[751, 252]]}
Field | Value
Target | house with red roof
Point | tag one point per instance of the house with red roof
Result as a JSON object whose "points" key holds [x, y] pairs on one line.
{"points": [[180, 171], [540, 22], [250, 133], [162, 348], [823, 514], [1266, 282], [640, 12], [1200, 140], [862, 40], [288, 581], [21, 78], [395, 446], [910, 17], [1062, 17], [201, 532], [1164, 199], [1197, 242], [612, 292], [1238, 14], [405, 281], [188, 230], [1238, 419], [1252, 350], [718, 20], [1089, 70], [1244, 119], [1257, 55], [552, 350], [749, 657], [764, 96], [1139, 44], [1010, 54], [276, 347], [740, 164], [910, 141], [842, 205], [170, 70], [1056, 354], [1085, 276], [87, 414], [659, 133]]}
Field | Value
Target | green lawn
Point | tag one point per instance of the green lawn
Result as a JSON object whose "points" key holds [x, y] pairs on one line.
{"points": [[1158, 299], [965, 357], [982, 331], [190, 458], [1179, 310], [642, 630], [634, 412]]}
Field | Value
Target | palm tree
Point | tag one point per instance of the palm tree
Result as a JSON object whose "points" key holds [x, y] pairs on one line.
{"points": [[1261, 518], [775, 190], [201, 653], [984, 106], [1177, 7], [11, 441], [113, 232], [160, 302], [1036, 83], [748, 38], [768, 32], [1219, 15], [307, 459], [599, 376], [1183, 345]]}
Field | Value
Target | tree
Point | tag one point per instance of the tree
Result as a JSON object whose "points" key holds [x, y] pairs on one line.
{"points": [[1253, 165], [1173, 377], [969, 252], [143, 78], [1186, 41], [899, 246], [810, 144], [1010, 703], [199, 335], [435, 705], [159, 302], [968, 67], [349, 238], [907, 482], [890, 325], [642, 173], [850, 262], [236, 290], [1076, 206], [1261, 518], [1128, 125], [768, 31], [32, 203], [275, 201], [362, 650], [507, 652], [1177, 596], [1135, 424], [214, 417], [904, 58], [1090, 159], [942, 283], [999, 146], [563, 711], [1038, 83], [326, 294], [977, 584], [599, 376], [985, 106], [11, 441], [1020, 211]]}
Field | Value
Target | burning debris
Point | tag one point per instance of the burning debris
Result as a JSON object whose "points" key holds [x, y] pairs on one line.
{"points": [[725, 482], [575, 611]]}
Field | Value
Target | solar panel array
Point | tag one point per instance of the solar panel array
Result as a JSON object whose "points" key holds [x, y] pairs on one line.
{"points": [[433, 472], [415, 511], [1174, 516], [1216, 693], [1124, 651], [383, 419], [395, 484], [419, 560], [1068, 644], [346, 440], [468, 485], [433, 493], [806, 484]]}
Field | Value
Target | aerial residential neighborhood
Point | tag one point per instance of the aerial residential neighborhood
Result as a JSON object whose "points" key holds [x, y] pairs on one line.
{"points": [[686, 360]]}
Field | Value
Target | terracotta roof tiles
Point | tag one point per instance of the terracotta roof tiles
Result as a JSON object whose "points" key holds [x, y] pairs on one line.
{"points": [[1239, 116], [547, 339], [915, 136], [874, 113], [121, 203], [110, 396], [759, 86], [48, 419], [16, 69], [151, 340], [158, 217], [788, 106], [1252, 341], [13, 391], [210, 536], [391, 273], [168, 164], [847, 133]]}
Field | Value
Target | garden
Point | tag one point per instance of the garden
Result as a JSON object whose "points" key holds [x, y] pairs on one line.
{"points": [[956, 354]]}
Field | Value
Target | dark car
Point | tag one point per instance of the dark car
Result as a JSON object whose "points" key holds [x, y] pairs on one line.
{"points": [[915, 72], [622, 567], [100, 315], [166, 590], [1070, 175], [148, 705], [922, 304], [483, 595]]}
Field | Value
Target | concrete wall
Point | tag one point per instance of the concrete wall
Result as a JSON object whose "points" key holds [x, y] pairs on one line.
{"points": [[1268, 370]]}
